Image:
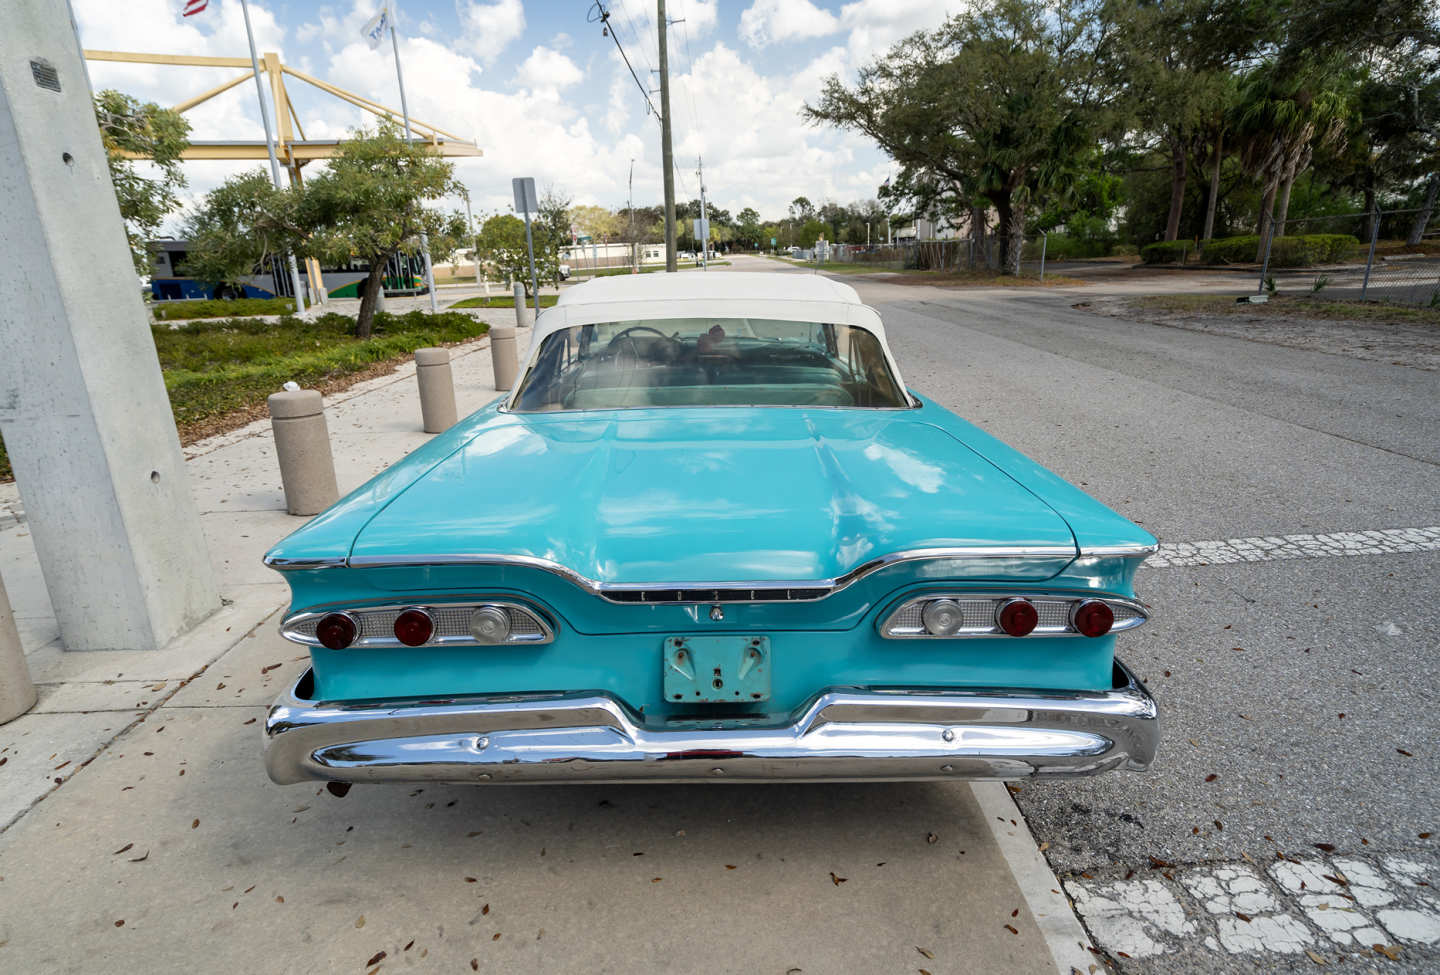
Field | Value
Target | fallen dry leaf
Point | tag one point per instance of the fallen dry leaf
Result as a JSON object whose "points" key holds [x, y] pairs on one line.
{"points": [[474, 964], [375, 959], [122, 849], [470, 880], [195, 824], [837, 881], [495, 936], [1012, 929], [729, 866], [485, 910], [1404, 752], [1423, 836], [408, 945], [1389, 951], [121, 923], [141, 858], [1327, 847], [1211, 777], [1243, 916], [655, 880], [1015, 913], [931, 838], [266, 670], [1317, 959], [927, 954], [360, 921]]}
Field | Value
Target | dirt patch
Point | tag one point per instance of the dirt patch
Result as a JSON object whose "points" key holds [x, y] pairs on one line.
{"points": [[1395, 334]]}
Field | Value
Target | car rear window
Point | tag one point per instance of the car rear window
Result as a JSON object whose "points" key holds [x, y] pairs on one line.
{"points": [[708, 362]]}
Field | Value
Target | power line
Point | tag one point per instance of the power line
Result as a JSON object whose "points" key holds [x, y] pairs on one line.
{"points": [[598, 13]]}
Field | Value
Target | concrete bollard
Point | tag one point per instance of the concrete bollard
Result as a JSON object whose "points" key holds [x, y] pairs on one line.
{"points": [[502, 354], [437, 389], [17, 690], [524, 314], [302, 444]]}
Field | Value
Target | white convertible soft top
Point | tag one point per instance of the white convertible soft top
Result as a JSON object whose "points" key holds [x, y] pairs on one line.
{"points": [[783, 295]]}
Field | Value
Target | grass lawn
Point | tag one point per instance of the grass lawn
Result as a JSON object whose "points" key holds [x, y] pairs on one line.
{"points": [[957, 279], [500, 301], [219, 372], [1293, 306], [165, 311], [606, 272]]}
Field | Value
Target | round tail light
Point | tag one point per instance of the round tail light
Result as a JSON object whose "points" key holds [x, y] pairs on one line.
{"points": [[490, 624], [414, 627], [1017, 617], [1093, 618], [942, 617], [336, 631]]}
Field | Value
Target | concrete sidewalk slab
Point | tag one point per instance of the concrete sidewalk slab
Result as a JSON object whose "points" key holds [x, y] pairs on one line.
{"points": [[172, 851]]}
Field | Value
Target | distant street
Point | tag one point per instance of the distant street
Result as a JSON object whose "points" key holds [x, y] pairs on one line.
{"points": [[1299, 693]]}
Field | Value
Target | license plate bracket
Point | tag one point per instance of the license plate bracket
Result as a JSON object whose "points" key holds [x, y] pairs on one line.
{"points": [[717, 669]]}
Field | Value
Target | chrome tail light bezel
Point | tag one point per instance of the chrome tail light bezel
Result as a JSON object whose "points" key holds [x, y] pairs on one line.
{"points": [[902, 621], [529, 625]]}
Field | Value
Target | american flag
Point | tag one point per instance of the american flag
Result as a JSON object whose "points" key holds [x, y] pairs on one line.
{"points": [[193, 7]]}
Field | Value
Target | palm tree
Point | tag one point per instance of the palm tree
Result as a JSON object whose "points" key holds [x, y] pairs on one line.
{"points": [[1280, 122]]}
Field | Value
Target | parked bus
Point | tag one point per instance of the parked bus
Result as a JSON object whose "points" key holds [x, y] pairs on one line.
{"points": [[169, 280]]}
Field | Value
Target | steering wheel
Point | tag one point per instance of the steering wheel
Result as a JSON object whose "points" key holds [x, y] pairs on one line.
{"points": [[625, 334]]}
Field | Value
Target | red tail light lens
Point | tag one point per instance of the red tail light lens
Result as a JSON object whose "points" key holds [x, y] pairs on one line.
{"points": [[1093, 618], [336, 631], [1017, 617], [414, 627]]}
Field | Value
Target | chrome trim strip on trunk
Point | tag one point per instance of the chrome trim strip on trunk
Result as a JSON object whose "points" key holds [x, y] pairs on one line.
{"points": [[881, 734], [755, 591]]}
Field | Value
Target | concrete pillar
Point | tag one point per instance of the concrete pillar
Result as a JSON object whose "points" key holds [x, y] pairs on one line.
{"points": [[83, 408], [524, 314], [302, 445], [17, 692], [437, 389]]}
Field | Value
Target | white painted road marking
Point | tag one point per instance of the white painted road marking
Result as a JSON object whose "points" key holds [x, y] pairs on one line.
{"points": [[1268, 548]]}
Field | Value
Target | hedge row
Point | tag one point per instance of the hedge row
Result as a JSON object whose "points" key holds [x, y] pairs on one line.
{"points": [[1298, 251], [165, 311]]}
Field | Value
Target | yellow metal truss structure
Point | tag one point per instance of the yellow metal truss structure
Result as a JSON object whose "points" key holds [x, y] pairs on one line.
{"points": [[291, 146]]}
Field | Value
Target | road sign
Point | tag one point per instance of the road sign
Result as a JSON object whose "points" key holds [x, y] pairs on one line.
{"points": [[525, 199], [773, 242], [702, 230]]}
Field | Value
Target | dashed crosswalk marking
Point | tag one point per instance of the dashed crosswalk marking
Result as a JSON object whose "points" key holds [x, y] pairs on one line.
{"points": [[1338, 905], [1268, 548]]}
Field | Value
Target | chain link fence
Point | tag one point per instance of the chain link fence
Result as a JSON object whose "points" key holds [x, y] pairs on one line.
{"points": [[1350, 255], [960, 254]]}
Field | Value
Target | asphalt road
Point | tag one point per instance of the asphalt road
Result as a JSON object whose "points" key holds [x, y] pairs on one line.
{"points": [[1291, 717]]}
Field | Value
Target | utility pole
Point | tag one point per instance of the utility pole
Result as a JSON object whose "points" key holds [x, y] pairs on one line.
{"points": [[666, 155], [270, 145], [704, 218], [630, 205]]}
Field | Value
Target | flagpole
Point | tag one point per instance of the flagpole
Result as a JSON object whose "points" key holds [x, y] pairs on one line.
{"points": [[405, 111], [270, 145]]}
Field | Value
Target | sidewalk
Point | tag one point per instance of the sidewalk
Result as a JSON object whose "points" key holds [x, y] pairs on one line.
{"points": [[138, 830]]}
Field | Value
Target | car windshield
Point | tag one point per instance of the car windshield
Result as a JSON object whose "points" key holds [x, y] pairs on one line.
{"points": [[708, 362]]}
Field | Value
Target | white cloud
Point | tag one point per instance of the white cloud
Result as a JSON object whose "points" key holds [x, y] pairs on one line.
{"points": [[875, 25], [768, 22], [699, 15], [490, 27], [548, 70]]}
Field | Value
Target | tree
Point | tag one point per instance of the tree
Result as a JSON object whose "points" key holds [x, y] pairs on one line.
{"points": [[369, 204], [801, 209], [998, 102], [243, 223], [554, 216], [596, 222], [128, 125], [502, 246], [748, 229]]}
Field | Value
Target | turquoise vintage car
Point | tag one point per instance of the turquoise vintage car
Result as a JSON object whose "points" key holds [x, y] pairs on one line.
{"points": [[710, 535]]}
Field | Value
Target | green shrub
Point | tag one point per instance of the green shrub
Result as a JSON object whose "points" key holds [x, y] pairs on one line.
{"points": [[165, 311], [1166, 251], [218, 366], [1299, 251], [1063, 247]]}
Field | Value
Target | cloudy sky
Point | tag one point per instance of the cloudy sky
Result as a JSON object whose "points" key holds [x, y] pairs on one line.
{"points": [[541, 90]]}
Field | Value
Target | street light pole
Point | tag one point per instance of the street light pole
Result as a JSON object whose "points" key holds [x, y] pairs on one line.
{"points": [[704, 219], [270, 144], [405, 112]]}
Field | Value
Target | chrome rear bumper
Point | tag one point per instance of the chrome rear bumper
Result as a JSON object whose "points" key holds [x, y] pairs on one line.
{"points": [[844, 735]]}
